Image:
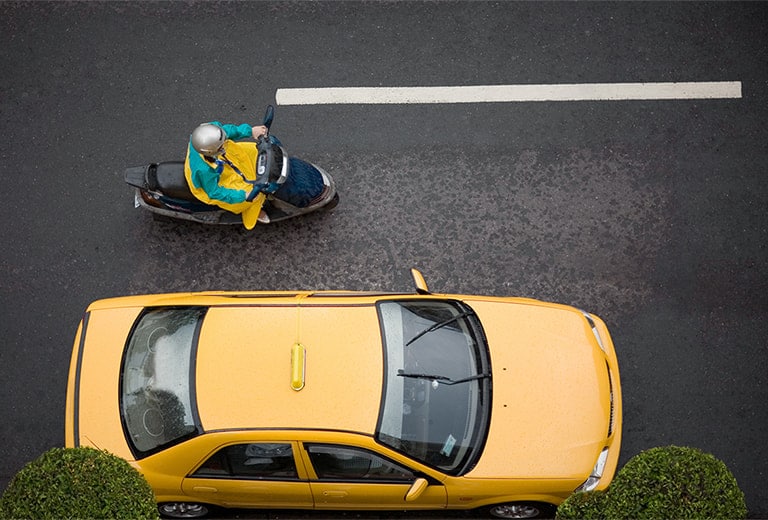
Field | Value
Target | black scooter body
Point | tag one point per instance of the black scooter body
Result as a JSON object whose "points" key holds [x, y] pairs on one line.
{"points": [[162, 188]]}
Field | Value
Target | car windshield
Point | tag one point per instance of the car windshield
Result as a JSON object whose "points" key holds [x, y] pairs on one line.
{"points": [[436, 397], [157, 379]]}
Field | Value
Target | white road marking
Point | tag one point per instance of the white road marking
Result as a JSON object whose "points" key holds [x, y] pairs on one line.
{"points": [[508, 93]]}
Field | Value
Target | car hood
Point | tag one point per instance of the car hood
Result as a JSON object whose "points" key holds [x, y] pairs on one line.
{"points": [[551, 392]]}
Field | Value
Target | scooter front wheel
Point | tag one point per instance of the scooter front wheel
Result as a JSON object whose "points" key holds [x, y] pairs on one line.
{"points": [[333, 203]]}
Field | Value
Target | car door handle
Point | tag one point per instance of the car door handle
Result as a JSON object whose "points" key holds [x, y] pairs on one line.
{"points": [[204, 489], [335, 494]]}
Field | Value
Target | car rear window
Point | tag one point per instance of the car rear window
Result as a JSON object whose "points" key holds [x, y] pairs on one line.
{"points": [[157, 399]]}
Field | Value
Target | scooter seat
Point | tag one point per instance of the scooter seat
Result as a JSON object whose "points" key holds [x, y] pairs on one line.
{"points": [[168, 177]]}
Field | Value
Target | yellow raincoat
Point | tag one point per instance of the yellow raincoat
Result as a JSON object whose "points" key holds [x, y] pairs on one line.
{"points": [[217, 182]]}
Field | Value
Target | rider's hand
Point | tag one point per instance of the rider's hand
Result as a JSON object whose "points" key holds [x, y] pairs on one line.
{"points": [[259, 131]]}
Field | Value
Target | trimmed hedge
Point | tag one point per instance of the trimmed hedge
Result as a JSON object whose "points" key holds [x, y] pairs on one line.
{"points": [[582, 506], [78, 483], [668, 482]]}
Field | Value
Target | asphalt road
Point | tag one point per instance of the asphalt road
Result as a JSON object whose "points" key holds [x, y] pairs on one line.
{"points": [[651, 214]]}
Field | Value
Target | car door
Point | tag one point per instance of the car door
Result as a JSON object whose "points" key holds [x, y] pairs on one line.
{"points": [[348, 477], [251, 474]]}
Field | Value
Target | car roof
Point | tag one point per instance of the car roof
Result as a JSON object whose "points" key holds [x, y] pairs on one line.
{"points": [[246, 364]]}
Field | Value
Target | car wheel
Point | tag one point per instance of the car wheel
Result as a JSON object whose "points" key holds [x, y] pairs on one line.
{"points": [[522, 510], [183, 510]]}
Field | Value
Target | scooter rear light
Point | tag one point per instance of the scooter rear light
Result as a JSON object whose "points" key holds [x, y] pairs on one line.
{"points": [[149, 199]]}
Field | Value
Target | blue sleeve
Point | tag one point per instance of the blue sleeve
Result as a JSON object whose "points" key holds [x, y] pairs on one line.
{"points": [[236, 132], [207, 178]]}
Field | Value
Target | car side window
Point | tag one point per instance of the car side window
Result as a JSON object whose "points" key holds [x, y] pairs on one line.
{"points": [[263, 460], [333, 462]]}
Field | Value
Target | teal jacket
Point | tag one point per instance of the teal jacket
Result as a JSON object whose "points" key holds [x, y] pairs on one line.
{"points": [[204, 175]]}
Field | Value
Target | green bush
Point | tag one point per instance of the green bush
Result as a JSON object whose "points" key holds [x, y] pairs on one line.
{"points": [[78, 483], [582, 506], [675, 482], [660, 483]]}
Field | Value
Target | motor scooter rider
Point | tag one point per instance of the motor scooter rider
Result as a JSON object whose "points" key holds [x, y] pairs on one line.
{"points": [[220, 169]]}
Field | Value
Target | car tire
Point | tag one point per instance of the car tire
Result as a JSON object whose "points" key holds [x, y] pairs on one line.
{"points": [[522, 510], [183, 510]]}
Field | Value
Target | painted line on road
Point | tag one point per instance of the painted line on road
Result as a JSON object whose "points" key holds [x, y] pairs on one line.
{"points": [[508, 93]]}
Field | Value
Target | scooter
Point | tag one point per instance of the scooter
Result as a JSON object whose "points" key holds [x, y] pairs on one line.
{"points": [[162, 188]]}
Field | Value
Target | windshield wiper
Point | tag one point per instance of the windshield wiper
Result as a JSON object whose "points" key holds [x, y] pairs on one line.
{"points": [[443, 379], [439, 325]]}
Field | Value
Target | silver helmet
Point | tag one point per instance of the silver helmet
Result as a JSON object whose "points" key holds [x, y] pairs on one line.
{"points": [[207, 139]]}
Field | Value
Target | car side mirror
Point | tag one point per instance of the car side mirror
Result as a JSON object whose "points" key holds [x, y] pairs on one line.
{"points": [[416, 489], [418, 279]]}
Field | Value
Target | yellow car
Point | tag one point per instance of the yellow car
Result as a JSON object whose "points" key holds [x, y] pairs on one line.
{"points": [[349, 400]]}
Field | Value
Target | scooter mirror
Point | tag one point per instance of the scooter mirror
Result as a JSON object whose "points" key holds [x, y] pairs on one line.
{"points": [[269, 115]]}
